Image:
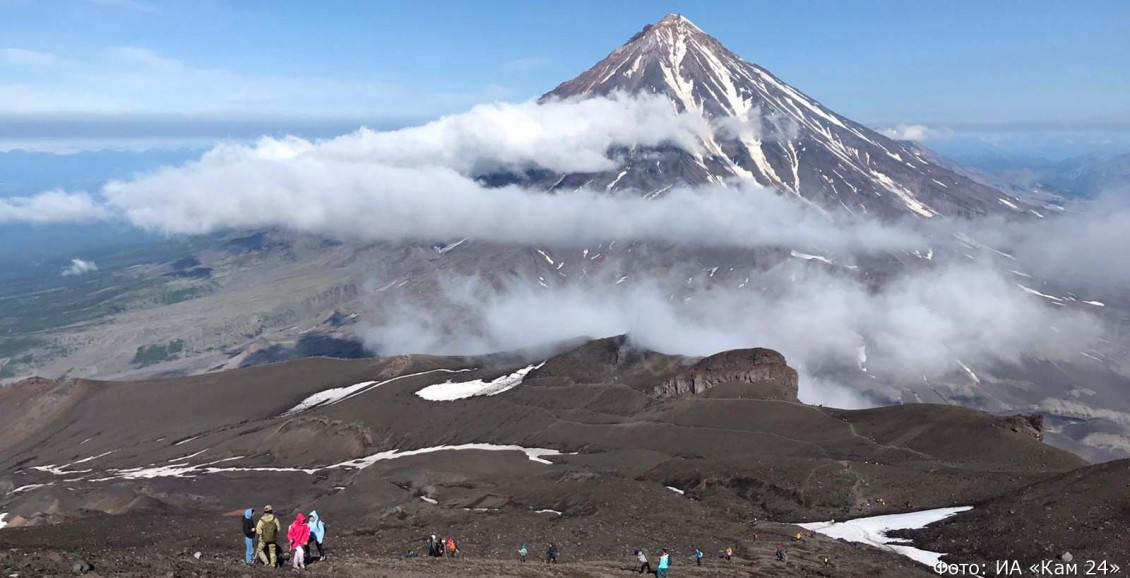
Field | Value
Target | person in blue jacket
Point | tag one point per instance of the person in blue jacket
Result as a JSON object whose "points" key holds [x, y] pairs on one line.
{"points": [[249, 536], [664, 562], [317, 534]]}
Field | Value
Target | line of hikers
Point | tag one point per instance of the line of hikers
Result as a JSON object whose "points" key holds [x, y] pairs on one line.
{"points": [[438, 548], [302, 536], [305, 534]]}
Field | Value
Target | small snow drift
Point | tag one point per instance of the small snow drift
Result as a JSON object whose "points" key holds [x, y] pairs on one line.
{"points": [[534, 454], [451, 391], [331, 396], [2, 522], [873, 531], [184, 470]]}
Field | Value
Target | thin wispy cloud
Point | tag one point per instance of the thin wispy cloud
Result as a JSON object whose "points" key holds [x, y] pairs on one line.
{"points": [[79, 267], [131, 80], [129, 5], [525, 64], [27, 58], [917, 132]]}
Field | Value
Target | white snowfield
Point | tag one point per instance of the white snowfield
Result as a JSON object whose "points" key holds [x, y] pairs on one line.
{"points": [[328, 397], [182, 470], [451, 391], [873, 531], [2, 522]]}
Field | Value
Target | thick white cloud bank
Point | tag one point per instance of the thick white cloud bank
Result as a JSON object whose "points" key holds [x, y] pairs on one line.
{"points": [[918, 324], [420, 184]]}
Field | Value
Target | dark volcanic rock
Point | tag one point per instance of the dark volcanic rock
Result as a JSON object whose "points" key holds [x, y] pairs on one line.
{"points": [[185, 263], [1032, 424], [308, 346], [194, 273], [745, 373], [127, 458], [1072, 512]]}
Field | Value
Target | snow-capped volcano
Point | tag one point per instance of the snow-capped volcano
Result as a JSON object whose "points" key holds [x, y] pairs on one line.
{"points": [[769, 132]]}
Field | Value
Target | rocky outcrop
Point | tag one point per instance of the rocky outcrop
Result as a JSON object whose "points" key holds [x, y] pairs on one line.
{"points": [[743, 373], [1032, 425]]}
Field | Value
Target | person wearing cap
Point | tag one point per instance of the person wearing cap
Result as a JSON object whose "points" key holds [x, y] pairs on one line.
{"points": [[268, 529]]}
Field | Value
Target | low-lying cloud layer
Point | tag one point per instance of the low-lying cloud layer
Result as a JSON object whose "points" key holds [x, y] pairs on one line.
{"points": [[422, 183], [52, 207], [926, 323]]}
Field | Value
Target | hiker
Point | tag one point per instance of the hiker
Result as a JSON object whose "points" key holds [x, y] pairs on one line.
{"points": [[798, 537], [522, 552], [551, 554], [268, 529], [433, 546], [317, 535], [451, 549], [298, 535], [698, 556], [249, 536], [645, 566], [807, 537], [782, 554], [729, 554], [664, 562]]}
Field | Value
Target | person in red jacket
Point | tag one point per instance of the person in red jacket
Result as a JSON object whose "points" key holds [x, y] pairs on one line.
{"points": [[299, 535]]}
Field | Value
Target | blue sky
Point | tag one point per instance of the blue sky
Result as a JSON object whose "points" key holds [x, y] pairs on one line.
{"points": [[973, 67]]}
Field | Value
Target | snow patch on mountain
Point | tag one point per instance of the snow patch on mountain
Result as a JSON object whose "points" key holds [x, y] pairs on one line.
{"points": [[451, 391], [330, 397], [873, 531]]}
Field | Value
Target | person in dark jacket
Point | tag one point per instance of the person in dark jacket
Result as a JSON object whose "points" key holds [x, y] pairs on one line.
{"points": [[249, 536], [551, 554]]}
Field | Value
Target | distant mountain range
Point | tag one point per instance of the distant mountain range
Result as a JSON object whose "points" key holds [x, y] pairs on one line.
{"points": [[1082, 176], [771, 133]]}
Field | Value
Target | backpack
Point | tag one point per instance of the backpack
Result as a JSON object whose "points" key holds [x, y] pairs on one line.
{"points": [[270, 528]]}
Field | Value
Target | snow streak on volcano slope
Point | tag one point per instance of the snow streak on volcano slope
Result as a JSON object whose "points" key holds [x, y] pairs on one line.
{"points": [[770, 133], [451, 390]]}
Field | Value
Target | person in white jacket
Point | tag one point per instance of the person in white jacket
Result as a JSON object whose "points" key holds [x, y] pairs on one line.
{"points": [[645, 566]]}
